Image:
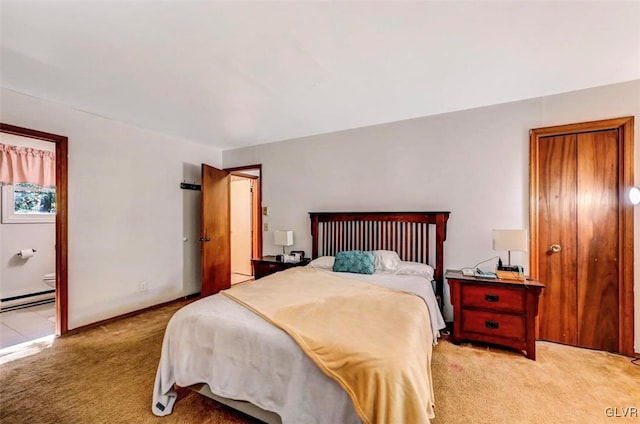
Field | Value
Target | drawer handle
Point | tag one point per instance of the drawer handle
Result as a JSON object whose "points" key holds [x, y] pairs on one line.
{"points": [[492, 324], [491, 297]]}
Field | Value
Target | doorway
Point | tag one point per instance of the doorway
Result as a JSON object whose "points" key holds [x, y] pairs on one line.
{"points": [[61, 223], [243, 223], [582, 233], [217, 219]]}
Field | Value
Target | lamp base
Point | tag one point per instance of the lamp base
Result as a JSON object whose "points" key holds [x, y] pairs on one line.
{"points": [[512, 268], [510, 275], [510, 272]]}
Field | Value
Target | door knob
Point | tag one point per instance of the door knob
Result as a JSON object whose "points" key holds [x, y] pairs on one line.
{"points": [[205, 239], [555, 248]]}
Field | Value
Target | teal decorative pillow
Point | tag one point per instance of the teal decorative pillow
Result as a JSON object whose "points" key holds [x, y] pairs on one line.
{"points": [[356, 261]]}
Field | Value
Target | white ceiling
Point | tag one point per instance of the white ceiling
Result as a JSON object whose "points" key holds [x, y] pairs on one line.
{"points": [[234, 74]]}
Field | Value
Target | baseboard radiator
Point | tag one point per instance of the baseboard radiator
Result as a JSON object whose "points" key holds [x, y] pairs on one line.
{"points": [[25, 300]]}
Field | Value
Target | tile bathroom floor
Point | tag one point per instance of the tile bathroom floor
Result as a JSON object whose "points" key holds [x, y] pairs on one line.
{"points": [[26, 324], [240, 278]]}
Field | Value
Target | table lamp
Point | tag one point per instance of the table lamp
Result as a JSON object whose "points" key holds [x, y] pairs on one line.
{"points": [[283, 238], [510, 240]]}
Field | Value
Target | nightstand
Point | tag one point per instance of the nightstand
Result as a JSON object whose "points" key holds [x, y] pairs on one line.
{"points": [[501, 312], [268, 265]]}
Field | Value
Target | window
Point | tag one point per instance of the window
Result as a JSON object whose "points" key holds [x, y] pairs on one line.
{"points": [[28, 203]]}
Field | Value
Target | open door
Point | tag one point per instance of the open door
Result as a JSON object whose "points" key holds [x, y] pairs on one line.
{"points": [[216, 231]]}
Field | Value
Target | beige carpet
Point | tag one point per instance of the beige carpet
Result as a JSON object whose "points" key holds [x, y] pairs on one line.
{"points": [[565, 385], [105, 375]]}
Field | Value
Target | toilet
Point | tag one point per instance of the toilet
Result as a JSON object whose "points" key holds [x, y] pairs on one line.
{"points": [[50, 279]]}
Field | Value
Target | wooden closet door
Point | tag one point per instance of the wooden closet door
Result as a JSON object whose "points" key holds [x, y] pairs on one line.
{"points": [[597, 235], [578, 213], [557, 226], [580, 176]]}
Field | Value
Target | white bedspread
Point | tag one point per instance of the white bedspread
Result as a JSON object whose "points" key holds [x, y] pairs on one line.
{"points": [[241, 356]]}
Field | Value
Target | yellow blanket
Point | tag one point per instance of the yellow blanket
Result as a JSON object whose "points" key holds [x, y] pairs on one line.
{"points": [[375, 342]]}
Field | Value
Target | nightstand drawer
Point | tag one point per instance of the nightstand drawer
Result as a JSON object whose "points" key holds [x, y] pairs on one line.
{"points": [[264, 269], [270, 268], [494, 298], [497, 325], [267, 265]]}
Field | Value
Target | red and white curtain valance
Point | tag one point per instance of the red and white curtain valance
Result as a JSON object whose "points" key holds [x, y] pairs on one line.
{"points": [[27, 165]]}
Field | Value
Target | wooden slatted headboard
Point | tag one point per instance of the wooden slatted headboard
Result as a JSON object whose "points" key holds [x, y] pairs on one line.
{"points": [[411, 234]]}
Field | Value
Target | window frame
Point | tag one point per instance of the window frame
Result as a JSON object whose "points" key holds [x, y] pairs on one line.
{"points": [[10, 217]]}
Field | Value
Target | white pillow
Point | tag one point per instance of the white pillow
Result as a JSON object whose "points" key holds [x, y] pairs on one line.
{"points": [[414, 268], [323, 262], [386, 260]]}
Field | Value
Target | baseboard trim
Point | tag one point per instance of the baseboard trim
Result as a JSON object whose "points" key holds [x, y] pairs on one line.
{"points": [[129, 314], [25, 301]]}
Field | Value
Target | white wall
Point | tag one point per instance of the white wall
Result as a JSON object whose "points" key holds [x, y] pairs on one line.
{"points": [[473, 163], [127, 213]]}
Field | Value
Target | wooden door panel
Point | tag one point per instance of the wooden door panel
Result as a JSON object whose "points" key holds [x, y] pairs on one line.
{"points": [[556, 215], [216, 230], [603, 232], [597, 226]]}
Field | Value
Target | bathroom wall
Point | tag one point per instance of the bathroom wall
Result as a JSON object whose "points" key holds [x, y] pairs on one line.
{"points": [[19, 276]]}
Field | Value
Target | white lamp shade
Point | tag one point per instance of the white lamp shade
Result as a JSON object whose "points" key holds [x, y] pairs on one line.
{"points": [[283, 237], [504, 240], [634, 195]]}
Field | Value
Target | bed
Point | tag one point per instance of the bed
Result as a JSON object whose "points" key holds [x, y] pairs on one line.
{"points": [[232, 352]]}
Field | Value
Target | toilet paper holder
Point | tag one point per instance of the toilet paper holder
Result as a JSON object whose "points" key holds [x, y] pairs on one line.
{"points": [[20, 253]]}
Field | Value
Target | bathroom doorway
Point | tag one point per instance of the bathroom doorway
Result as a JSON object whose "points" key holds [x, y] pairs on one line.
{"points": [[216, 224], [245, 213], [30, 314]]}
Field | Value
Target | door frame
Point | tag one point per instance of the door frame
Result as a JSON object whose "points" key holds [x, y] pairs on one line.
{"points": [[61, 142], [256, 233], [625, 213]]}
